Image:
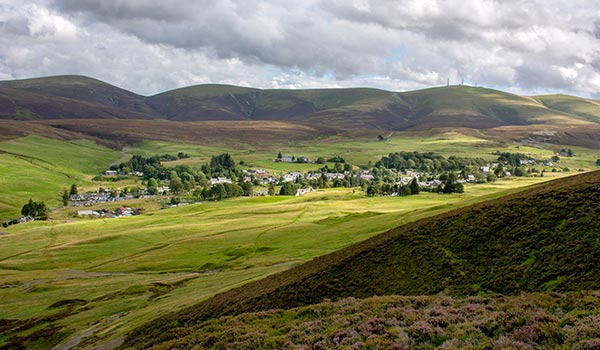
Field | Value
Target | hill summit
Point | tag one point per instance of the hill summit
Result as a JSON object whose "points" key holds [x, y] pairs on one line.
{"points": [[78, 97]]}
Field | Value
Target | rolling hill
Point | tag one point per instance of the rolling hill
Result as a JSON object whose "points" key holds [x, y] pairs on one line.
{"points": [[66, 97], [543, 239]]}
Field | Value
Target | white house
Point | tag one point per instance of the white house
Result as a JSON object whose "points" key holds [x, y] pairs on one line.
{"points": [[303, 191]]}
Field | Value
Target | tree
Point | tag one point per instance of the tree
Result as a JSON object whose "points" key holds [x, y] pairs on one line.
{"points": [[338, 168], [372, 190], [221, 162], [519, 171], [73, 189], [271, 190], [37, 210], [65, 198], [247, 187], [404, 191], [175, 184], [279, 155], [152, 186], [451, 185], [218, 192], [288, 189], [414, 186]]}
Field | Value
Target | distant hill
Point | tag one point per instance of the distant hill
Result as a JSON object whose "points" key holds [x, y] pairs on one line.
{"points": [[542, 239], [67, 97]]}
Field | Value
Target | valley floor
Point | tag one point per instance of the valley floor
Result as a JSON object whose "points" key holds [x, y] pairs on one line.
{"points": [[72, 282]]}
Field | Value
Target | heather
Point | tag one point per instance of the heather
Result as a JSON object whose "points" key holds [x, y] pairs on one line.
{"points": [[527, 321]]}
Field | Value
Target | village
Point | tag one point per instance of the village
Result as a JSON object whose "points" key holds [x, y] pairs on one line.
{"points": [[398, 174], [263, 181]]}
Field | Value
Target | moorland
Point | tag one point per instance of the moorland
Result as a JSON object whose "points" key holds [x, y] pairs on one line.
{"points": [[76, 281]]}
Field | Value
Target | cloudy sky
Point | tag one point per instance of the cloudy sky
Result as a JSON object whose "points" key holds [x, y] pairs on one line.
{"points": [[149, 46]]}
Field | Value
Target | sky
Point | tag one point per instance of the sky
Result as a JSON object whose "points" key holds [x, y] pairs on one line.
{"points": [[526, 47]]}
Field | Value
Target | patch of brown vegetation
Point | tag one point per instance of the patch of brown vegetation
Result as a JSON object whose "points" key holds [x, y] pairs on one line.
{"points": [[580, 135], [213, 132], [12, 129]]}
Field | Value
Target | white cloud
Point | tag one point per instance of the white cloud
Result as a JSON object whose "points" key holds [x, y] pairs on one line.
{"points": [[150, 46]]}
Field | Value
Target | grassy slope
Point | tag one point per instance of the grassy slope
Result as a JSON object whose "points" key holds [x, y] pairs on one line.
{"points": [[152, 264], [39, 168], [587, 108], [541, 239], [474, 105], [532, 320], [422, 109]]}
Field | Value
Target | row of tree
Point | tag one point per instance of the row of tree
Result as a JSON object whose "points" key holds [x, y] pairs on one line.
{"points": [[427, 162]]}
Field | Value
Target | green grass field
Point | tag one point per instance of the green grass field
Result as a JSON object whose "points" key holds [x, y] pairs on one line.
{"points": [[360, 150], [129, 270], [40, 168], [112, 275]]}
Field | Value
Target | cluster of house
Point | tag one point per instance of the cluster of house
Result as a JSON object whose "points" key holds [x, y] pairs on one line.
{"points": [[261, 175], [93, 198], [219, 180], [116, 172], [299, 192], [117, 213], [265, 178]]}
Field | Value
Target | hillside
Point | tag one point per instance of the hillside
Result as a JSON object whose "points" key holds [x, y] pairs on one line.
{"points": [[65, 97], [80, 97], [542, 239], [586, 108], [527, 321]]}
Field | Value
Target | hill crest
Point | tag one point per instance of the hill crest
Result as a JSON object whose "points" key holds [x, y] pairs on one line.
{"points": [[79, 97]]}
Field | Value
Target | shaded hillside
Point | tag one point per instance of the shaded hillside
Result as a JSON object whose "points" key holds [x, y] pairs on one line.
{"points": [[527, 321], [205, 102], [455, 106], [542, 239], [69, 96]]}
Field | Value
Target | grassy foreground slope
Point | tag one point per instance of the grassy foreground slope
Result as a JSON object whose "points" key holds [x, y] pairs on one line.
{"points": [[542, 239], [65, 278]]}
